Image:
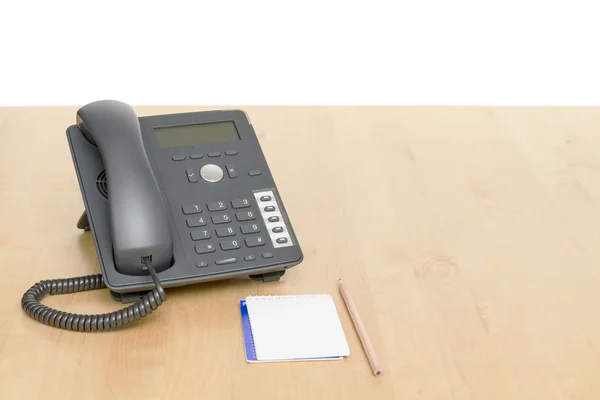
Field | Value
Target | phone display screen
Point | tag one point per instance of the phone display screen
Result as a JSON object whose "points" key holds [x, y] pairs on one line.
{"points": [[191, 135]]}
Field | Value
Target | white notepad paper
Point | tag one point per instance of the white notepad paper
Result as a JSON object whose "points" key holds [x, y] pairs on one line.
{"points": [[298, 327]]}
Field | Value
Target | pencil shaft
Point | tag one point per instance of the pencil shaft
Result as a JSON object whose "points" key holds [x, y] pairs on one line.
{"points": [[360, 328]]}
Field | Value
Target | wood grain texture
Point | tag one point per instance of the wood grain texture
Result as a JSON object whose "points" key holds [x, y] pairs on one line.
{"points": [[468, 237]]}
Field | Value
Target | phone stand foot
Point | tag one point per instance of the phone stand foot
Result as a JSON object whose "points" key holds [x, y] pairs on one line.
{"points": [[127, 297], [83, 222], [268, 277]]}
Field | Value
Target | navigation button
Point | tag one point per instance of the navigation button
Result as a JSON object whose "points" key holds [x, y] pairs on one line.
{"points": [[214, 154], [202, 248], [231, 152], [211, 173], [178, 158], [255, 172], [196, 156]]}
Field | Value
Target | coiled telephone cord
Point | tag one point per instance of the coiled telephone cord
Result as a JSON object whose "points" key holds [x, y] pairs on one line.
{"points": [[89, 323]]}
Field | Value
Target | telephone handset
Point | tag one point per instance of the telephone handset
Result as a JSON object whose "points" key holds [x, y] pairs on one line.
{"points": [[138, 222], [170, 200]]}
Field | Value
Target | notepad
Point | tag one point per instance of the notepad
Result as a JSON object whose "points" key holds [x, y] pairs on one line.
{"points": [[292, 328]]}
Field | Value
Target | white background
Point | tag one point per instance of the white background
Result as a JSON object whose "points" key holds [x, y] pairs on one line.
{"points": [[301, 52]]}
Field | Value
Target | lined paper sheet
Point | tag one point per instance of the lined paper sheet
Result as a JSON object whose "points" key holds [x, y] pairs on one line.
{"points": [[296, 327]]}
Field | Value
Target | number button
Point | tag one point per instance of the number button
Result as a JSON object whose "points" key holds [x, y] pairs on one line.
{"points": [[245, 215], [226, 231], [200, 235], [195, 222], [202, 248], [191, 209], [216, 206], [230, 245], [220, 219], [255, 241], [250, 228], [240, 203]]}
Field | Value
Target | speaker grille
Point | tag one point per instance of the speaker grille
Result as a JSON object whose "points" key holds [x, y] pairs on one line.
{"points": [[101, 185]]}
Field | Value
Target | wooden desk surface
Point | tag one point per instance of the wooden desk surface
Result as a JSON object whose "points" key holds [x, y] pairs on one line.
{"points": [[469, 238]]}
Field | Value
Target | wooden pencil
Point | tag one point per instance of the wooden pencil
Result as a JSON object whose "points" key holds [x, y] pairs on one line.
{"points": [[360, 328]]}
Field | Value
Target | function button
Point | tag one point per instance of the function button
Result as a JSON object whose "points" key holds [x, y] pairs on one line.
{"points": [[274, 218], [230, 244], [200, 235], [214, 154], [277, 229], [255, 241], [231, 152], [191, 175], [269, 208], [225, 231], [250, 258], [178, 158], [245, 215], [249, 228], [281, 240], [220, 219], [265, 198], [231, 171], [202, 248], [196, 156], [192, 209], [240, 203], [226, 261], [255, 172], [211, 173], [194, 222], [216, 206], [201, 264], [267, 255]]}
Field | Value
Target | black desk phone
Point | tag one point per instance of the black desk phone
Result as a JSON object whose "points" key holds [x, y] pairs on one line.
{"points": [[170, 200]]}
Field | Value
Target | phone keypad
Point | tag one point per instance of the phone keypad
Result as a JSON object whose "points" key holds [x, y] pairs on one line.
{"points": [[256, 221]]}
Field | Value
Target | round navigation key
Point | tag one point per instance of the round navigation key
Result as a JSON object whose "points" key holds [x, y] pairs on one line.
{"points": [[211, 173]]}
